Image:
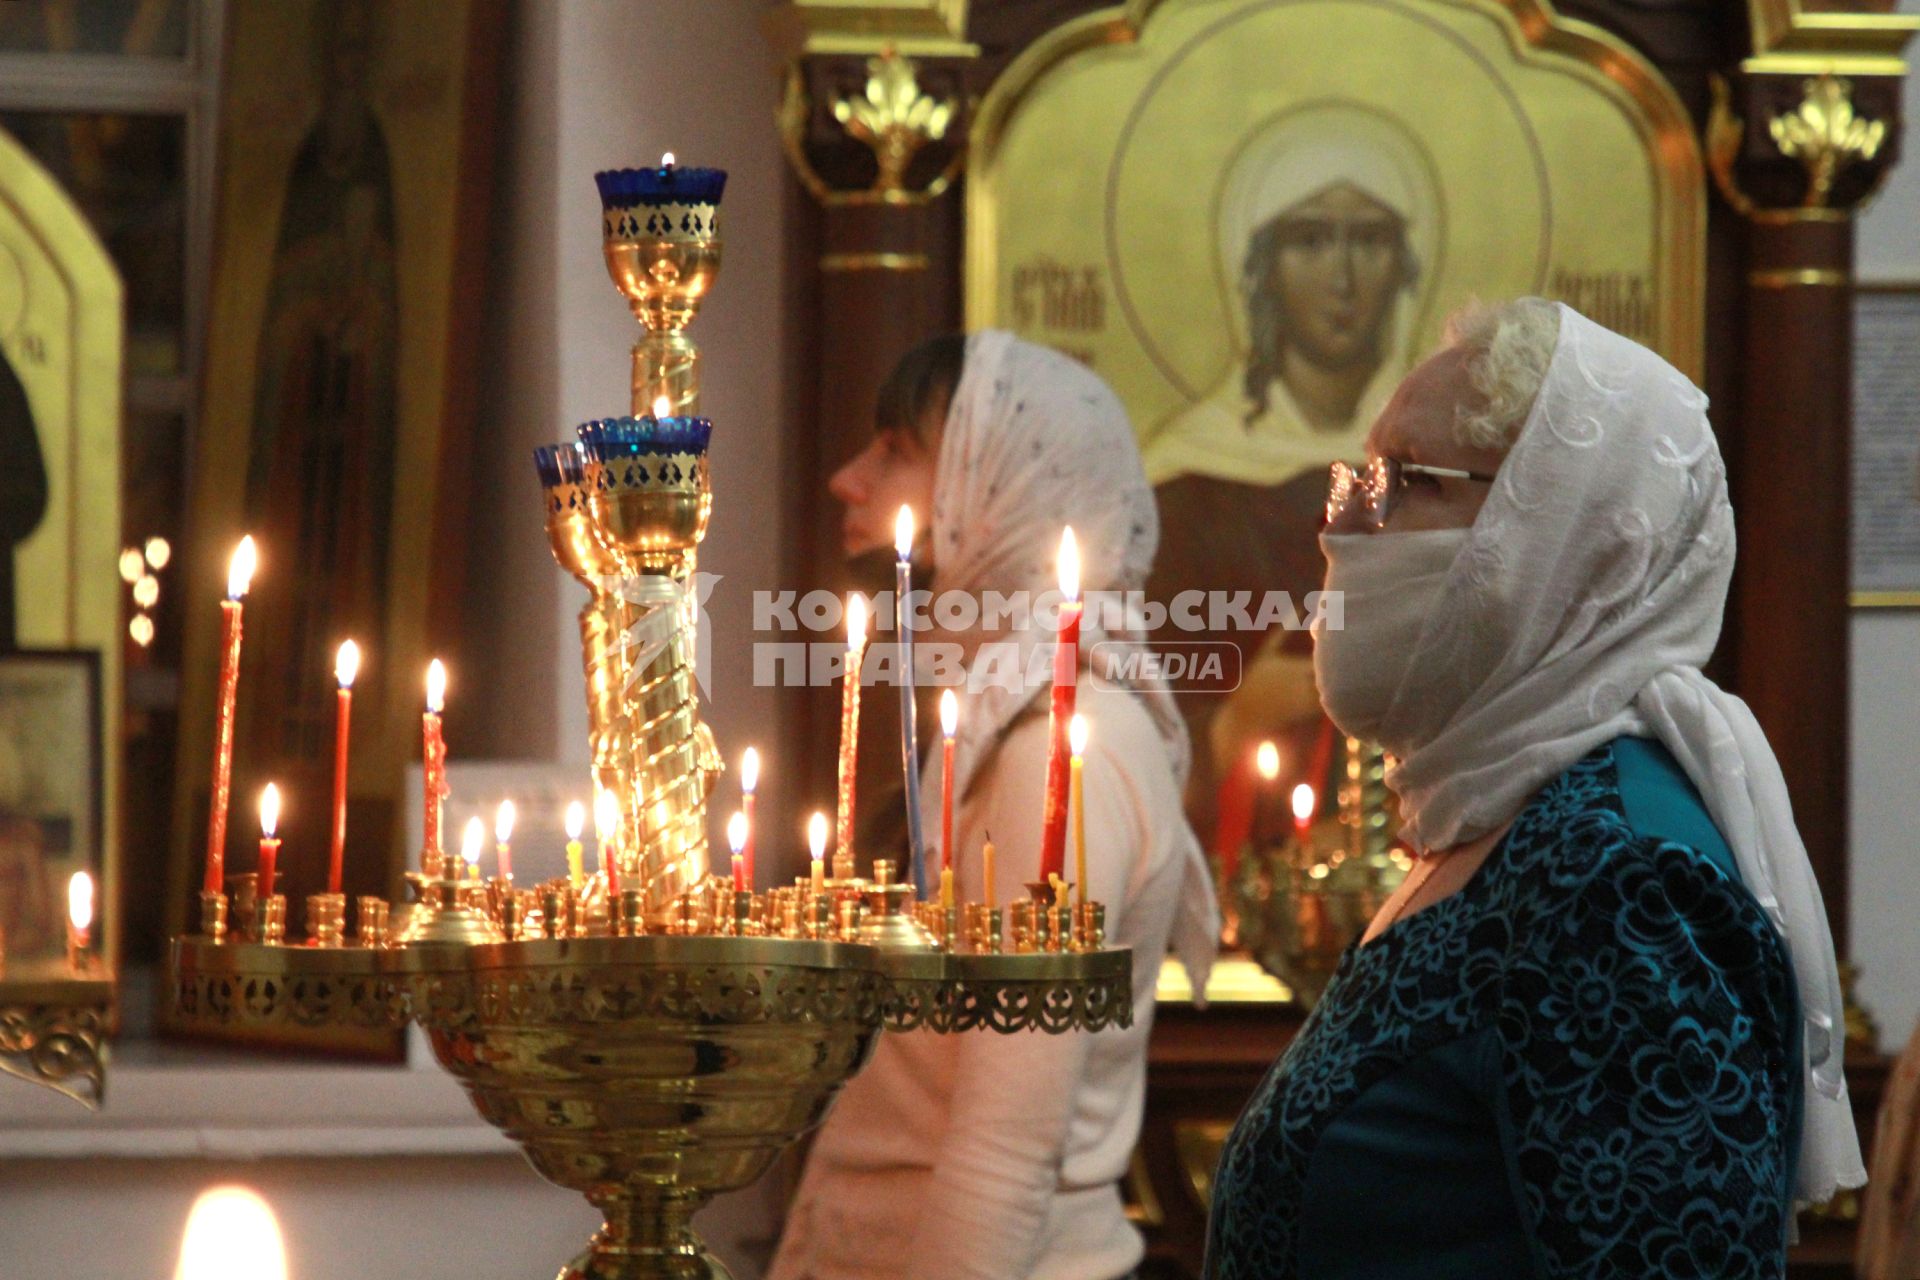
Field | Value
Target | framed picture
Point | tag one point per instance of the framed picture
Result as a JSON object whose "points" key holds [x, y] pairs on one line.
{"points": [[1253, 236], [52, 800], [339, 380], [1886, 446]]}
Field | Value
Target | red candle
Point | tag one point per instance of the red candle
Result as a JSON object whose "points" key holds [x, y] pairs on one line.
{"points": [[606, 821], [239, 578], [749, 782], [269, 847], [345, 667], [1066, 672], [737, 840], [949, 722], [849, 734], [1303, 806], [432, 857]]}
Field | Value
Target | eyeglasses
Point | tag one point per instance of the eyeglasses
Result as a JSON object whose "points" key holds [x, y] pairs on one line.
{"points": [[1377, 487]]}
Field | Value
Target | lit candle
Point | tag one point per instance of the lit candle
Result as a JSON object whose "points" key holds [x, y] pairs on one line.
{"points": [[239, 578], [1303, 804], [606, 821], [849, 734], [502, 838], [909, 712], [986, 866], [737, 841], [817, 845], [79, 919], [749, 782], [1077, 743], [949, 722], [269, 845], [472, 837], [346, 665], [1266, 766], [1066, 671], [432, 857], [576, 823]]}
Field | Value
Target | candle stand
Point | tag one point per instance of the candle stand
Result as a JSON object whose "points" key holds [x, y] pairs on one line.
{"points": [[654, 1036]]}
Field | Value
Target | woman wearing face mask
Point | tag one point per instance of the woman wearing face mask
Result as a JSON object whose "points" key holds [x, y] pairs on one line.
{"points": [[1596, 1032], [992, 1157]]}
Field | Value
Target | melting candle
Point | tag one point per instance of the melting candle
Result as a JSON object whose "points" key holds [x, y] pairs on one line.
{"points": [[737, 841], [576, 823], [346, 666], [909, 723], [502, 838], [1066, 669], [239, 578]]}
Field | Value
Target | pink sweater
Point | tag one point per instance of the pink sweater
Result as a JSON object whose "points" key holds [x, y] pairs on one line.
{"points": [[988, 1157]]}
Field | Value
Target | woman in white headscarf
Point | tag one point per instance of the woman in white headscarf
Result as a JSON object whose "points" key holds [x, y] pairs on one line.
{"points": [[1597, 1031], [990, 1157]]}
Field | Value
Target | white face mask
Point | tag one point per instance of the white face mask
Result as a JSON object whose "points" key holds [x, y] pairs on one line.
{"points": [[1390, 583]]}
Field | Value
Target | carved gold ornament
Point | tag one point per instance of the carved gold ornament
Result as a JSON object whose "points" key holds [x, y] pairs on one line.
{"points": [[894, 117], [1825, 135]]}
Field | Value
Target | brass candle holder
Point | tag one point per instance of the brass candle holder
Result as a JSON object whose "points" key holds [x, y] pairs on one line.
{"points": [[653, 1046]]}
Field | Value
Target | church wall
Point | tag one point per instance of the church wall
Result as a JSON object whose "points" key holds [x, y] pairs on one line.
{"points": [[1886, 690]]}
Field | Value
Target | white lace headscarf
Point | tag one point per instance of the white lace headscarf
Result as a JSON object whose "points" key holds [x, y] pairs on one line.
{"points": [[1585, 600], [1035, 441]]}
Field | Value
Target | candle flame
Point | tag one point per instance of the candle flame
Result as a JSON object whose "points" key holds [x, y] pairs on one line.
{"points": [[80, 901], [1266, 759], [856, 621], [231, 1235], [471, 839], [666, 160], [1069, 564], [436, 686], [503, 822], [146, 591], [949, 712], [346, 664], [817, 835], [240, 568], [737, 831], [131, 566], [662, 407], [158, 551], [269, 811], [606, 816], [576, 820], [1077, 736], [903, 532], [1303, 801], [749, 771]]}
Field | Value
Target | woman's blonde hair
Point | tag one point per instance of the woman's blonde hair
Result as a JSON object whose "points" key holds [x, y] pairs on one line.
{"points": [[1509, 346]]}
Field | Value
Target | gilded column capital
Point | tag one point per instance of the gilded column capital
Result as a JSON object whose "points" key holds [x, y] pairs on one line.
{"points": [[1802, 148]]}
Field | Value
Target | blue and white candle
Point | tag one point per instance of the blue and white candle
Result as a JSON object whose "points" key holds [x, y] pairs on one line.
{"points": [[909, 729]]}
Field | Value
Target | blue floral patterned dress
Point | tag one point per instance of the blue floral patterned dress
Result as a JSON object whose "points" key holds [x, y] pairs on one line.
{"points": [[1585, 1063]]}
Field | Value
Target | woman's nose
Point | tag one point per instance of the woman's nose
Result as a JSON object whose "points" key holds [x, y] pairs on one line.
{"points": [[846, 485]]}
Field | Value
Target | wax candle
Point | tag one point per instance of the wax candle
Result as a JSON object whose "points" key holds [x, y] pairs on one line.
{"points": [[1077, 743], [434, 747], [1066, 671], [1303, 805], [909, 713], [986, 866], [79, 920], [471, 839], [239, 578], [849, 734], [606, 821], [346, 665], [503, 818], [817, 845], [269, 845], [737, 841], [946, 888], [749, 783], [949, 723], [576, 822]]}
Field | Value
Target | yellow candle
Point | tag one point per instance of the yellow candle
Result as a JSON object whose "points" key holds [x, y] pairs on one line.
{"points": [[817, 844], [986, 862], [946, 888], [1077, 737], [576, 822]]}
